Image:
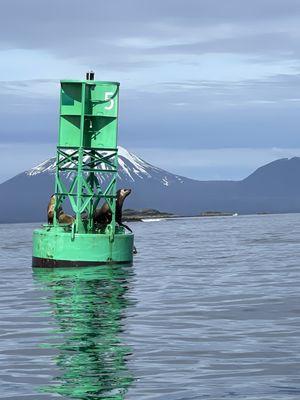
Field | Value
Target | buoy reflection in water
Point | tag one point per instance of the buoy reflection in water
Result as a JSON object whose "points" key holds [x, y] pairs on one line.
{"points": [[88, 306]]}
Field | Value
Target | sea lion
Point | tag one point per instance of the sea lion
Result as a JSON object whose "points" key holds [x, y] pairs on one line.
{"points": [[103, 215], [61, 216], [65, 218], [50, 209]]}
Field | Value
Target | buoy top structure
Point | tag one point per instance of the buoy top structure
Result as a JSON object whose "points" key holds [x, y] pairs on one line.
{"points": [[85, 179]]}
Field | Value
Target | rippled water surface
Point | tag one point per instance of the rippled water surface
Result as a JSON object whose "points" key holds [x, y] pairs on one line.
{"points": [[209, 310]]}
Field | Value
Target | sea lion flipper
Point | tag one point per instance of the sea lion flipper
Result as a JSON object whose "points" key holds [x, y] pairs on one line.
{"points": [[125, 226]]}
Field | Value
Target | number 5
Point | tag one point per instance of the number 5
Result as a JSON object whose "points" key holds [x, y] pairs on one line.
{"points": [[107, 96]]}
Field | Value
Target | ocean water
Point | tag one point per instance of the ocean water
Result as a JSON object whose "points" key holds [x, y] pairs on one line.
{"points": [[209, 310]]}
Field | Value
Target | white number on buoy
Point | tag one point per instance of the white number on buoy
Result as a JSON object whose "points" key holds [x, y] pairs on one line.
{"points": [[107, 96]]}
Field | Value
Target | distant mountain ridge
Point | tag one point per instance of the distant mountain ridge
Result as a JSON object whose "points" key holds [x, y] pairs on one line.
{"points": [[271, 188]]}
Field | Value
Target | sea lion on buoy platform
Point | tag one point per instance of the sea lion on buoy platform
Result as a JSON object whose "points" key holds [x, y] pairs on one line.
{"points": [[50, 209], [61, 216], [103, 215], [65, 218]]}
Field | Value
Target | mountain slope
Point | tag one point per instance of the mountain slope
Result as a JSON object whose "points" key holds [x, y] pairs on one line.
{"points": [[131, 169], [271, 188], [278, 177]]}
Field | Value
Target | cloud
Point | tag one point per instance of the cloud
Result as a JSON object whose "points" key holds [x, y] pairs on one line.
{"points": [[35, 88], [194, 74], [134, 33], [211, 164], [143, 42], [189, 113]]}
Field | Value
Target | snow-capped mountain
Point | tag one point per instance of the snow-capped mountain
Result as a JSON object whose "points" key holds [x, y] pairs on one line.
{"points": [[131, 169], [271, 188], [25, 196]]}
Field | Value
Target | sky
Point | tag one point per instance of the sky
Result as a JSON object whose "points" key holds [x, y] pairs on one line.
{"points": [[210, 89]]}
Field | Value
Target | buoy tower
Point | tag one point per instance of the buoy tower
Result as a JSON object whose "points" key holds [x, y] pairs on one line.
{"points": [[86, 177]]}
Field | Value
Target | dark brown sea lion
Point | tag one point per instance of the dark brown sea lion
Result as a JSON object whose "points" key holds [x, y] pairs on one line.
{"points": [[65, 218], [103, 215]]}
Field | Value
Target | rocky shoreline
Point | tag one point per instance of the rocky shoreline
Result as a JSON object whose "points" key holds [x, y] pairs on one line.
{"points": [[130, 215]]}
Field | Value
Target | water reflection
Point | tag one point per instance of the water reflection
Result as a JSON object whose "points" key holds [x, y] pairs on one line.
{"points": [[88, 305]]}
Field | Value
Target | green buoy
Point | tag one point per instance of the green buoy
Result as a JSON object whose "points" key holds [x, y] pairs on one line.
{"points": [[87, 152]]}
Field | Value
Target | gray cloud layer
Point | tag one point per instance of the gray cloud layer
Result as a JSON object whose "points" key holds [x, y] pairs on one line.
{"points": [[142, 38], [79, 29]]}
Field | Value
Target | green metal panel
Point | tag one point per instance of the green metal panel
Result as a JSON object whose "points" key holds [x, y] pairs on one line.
{"points": [[71, 98], [100, 132], [69, 131], [102, 99]]}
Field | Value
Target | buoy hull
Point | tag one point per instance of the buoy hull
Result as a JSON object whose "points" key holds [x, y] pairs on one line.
{"points": [[55, 247]]}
